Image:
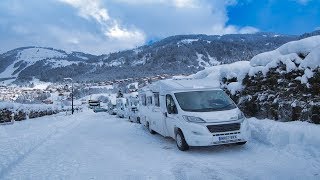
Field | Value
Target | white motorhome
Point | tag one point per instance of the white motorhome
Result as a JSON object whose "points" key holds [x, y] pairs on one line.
{"points": [[193, 113], [121, 105], [132, 110]]}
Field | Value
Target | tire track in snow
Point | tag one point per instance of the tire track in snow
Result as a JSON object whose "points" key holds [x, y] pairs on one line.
{"points": [[55, 133]]}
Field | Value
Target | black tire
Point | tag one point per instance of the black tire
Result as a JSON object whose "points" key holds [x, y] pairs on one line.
{"points": [[181, 142], [241, 143], [149, 128]]}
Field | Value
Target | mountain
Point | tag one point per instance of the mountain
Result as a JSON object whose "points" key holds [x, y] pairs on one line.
{"points": [[181, 54], [314, 33], [23, 63]]}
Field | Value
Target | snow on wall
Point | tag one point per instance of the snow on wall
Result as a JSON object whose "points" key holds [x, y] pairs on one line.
{"points": [[291, 54], [15, 107], [236, 70], [303, 54], [312, 61]]}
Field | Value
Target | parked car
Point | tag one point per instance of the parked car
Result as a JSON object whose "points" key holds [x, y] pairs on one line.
{"points": [[192, 112], [100, 109], [92, 104]]}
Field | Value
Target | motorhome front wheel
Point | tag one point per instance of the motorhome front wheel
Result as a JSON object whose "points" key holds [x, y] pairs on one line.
{"points": [[181, 142]]}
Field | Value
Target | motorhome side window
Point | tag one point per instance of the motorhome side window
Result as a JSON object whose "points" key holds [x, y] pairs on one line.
{"points": [[156, 99], [143, 100], [149, 100], [171, 106]]}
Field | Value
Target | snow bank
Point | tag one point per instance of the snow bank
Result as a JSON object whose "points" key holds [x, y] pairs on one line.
{"points": [[303, 55], [285, 134], [216, 74], [312, 61], [64, 147], [304, 47], [296, 55], [25, 111], [15, 107], [234, 70]]}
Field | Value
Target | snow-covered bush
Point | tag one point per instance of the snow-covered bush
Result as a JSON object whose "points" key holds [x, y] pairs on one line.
{"points": [[25, 111]]}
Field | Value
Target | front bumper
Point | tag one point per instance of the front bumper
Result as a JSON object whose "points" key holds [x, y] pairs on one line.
{"points": [[199, 135]]}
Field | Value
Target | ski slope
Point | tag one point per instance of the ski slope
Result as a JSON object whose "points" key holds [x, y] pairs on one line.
{"points": [[91, 145]]}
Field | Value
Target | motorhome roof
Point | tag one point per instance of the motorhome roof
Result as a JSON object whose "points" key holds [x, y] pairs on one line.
{"points": [[180, 84]]}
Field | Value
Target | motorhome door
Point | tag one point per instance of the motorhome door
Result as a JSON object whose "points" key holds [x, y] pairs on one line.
{"points": [[156, 115], [171, 112]]}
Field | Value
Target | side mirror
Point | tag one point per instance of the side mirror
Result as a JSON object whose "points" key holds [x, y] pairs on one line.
{"points": [[172, 109]]}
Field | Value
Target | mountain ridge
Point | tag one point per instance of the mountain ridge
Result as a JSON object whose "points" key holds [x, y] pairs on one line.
{"points": [[172, 55]]}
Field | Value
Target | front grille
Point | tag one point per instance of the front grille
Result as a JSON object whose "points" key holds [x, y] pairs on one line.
{"points": [[224, 127]]}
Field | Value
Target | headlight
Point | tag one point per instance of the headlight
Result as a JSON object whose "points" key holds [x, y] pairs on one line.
{"points": [[241, 116], [193, 119]]}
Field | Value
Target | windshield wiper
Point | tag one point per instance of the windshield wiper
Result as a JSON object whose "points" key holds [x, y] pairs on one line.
{"points": [[208, 109], [224, 106]]}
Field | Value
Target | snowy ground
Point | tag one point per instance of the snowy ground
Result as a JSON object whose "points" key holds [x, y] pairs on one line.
{"points": [[99, 146]]}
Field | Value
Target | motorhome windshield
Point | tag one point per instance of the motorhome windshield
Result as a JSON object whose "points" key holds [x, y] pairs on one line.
{"points": [[204, 101]]}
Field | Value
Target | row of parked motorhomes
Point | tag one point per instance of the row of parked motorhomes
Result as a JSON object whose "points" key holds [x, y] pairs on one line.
{"points": [[192, 112]]}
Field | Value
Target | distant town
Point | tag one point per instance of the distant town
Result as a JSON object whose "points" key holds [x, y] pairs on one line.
{"points": [[35, 94]]}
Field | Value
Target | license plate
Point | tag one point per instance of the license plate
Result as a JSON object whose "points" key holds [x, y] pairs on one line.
{"points": [[227, 138]]}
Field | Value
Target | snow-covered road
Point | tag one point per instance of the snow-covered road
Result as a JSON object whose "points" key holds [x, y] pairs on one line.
{"points": [[99, 146]]}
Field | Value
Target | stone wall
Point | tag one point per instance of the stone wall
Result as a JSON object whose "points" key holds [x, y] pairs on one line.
{"points": [[280, 95]]}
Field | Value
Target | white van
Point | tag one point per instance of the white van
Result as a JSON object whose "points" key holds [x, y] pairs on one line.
{"points": [[132, 110], [193, 113], [121, 105]]}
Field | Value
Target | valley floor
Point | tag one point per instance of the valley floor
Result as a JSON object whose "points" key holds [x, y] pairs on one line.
{"points": [[91, 145]]}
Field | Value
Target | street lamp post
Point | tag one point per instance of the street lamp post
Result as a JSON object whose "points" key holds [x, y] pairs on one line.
{"points": [[72, 109]]}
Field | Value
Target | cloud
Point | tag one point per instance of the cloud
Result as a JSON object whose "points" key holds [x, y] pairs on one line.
{"points": [[173, 3], [220, 30], [93, 9], [161, 18], [185, 3], [103, 26], [248, 30], [89, 9]]}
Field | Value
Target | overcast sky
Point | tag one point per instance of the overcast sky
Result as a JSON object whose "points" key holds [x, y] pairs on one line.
{"points": [[103, 26]]}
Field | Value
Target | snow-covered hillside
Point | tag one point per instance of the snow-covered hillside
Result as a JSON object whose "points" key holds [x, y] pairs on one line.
{"points": [[20, 59], [91, 145], [184, 54], [282, 84]]}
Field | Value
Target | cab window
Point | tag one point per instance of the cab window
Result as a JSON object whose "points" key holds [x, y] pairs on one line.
{"points": [[156, 99], [171, 106], [143, 99], [149, 100]]}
